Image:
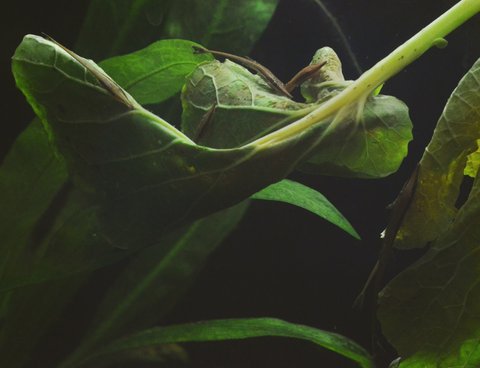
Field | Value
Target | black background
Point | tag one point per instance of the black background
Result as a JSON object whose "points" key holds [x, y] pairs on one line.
{"points": [[281, 261]]}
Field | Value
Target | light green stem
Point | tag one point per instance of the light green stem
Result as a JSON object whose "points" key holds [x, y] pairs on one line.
{"points": [[386, 68]]}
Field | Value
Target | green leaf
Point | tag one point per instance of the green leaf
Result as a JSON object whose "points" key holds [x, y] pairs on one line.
{"points": [[133, 24], [145, 176], [233, 329], [156, 278], [32, 189], [289, 191], [30, 177], [121, 26], [367, 143], [100, 21], [373, 147], [157, 72], [443, 164], [220, 24], [473, 162], [429, 311], [246, 107], [29, 312]]}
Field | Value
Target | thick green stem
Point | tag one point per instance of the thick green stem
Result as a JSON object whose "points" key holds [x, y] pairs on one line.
{"points": [[380, 72]]}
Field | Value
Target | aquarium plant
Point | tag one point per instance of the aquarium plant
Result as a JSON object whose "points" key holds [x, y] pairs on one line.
{"points": [[150, 143]]}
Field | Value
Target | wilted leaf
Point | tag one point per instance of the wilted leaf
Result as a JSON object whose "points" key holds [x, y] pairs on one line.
{"points": [[443, 164], [300, 195], [370, 143], [147, 176], [233, 329], [246, 107]]}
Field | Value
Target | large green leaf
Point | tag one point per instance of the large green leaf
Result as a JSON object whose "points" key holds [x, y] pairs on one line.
{"points": [[37, 152], [246, 107], [147, 176], [220, 24], [157, 72], [300, 195], [430, 311], [133, 24], [232, 329], [154, 280], [370, 143], [32, 178], [443, 164]]}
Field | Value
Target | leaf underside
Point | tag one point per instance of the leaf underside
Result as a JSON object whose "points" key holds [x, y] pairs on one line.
{"points": [[369, 143]]}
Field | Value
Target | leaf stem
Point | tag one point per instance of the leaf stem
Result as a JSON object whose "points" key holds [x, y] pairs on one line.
{"points": [[386, 68]]}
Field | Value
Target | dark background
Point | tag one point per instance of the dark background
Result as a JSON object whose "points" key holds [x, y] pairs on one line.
{"points": [[282, 261]]}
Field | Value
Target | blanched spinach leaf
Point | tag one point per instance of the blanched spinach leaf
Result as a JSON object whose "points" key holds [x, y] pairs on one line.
{"points": [[368, 143], [146, 177]]}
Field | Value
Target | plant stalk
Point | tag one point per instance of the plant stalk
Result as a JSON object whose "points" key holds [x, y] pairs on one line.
{"points": [[386, 68]]}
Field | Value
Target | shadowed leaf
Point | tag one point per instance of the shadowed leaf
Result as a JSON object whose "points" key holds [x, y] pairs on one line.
{"points": [[155, 279], [157, 72], [302, 196]]}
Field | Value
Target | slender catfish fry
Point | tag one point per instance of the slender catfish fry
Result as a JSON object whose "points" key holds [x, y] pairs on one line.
{"points": [[108, 83], [204, 122], [303, 75], [266, 73]]}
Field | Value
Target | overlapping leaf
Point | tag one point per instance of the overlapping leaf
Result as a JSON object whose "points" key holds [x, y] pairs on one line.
{"points": [[231, 329], [147, 176], [370, 144], [300, 195], [246, 107], [157, 72], [430, 311], [134, 24], [223, 25], [105, 32], [32, 179]]}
